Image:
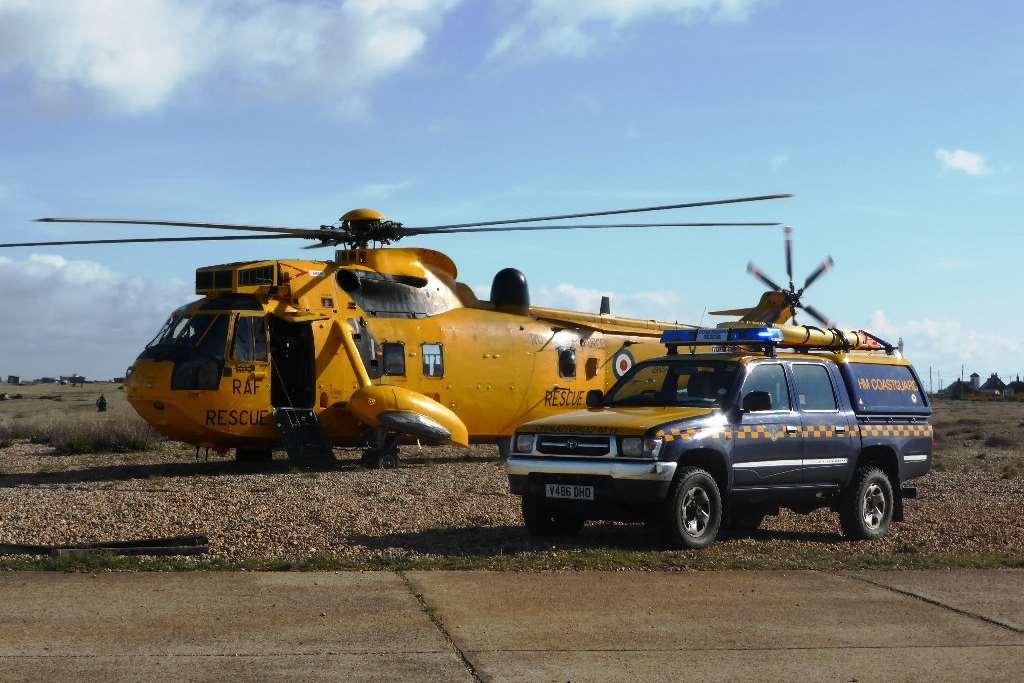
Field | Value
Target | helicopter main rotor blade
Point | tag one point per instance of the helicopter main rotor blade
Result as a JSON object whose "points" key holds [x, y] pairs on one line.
{"points": [[818, 315], [509, 228], [538, 219], [789, 256], [148, 239], [759, 274], [297, 232], [823, 268]]}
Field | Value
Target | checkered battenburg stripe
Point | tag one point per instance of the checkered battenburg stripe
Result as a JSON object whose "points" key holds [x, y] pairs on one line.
{"points": [[777, 432]]}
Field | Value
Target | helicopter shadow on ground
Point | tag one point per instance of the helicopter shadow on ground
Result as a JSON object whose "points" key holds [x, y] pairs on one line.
{"points": [[200, 468], [507, 540]]}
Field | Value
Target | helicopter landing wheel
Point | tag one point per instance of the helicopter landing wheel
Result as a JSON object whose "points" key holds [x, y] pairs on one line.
{"points": [[383, 455]]}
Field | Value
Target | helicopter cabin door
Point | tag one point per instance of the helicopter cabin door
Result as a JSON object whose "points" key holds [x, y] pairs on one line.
{"points": [[292, 364]]}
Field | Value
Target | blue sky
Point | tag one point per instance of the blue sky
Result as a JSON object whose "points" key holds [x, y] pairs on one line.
{"points": [[897, 125]]}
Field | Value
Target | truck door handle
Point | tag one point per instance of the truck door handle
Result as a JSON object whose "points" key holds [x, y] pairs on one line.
{"points": [[791, 429], [840, 429]]}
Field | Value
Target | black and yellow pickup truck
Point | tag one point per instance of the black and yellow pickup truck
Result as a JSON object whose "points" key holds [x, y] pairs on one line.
{"points": [[731, 425]]}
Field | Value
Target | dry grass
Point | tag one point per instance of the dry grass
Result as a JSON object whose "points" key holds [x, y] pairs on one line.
{"points": [[99, 433]]}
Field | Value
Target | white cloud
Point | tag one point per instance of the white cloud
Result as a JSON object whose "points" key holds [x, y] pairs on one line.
{"points": [[381, 190], [663, 305], [946, 344], [778, 161], [137, 56], [62, 316], [575, 29], [962, 160]]}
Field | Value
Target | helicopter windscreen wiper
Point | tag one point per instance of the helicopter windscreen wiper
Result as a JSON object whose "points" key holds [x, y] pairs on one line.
{"points": [[362, 227]]}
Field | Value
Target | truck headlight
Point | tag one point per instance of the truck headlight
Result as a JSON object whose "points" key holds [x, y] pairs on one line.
{"points": [[636, 447], [524, 443]]}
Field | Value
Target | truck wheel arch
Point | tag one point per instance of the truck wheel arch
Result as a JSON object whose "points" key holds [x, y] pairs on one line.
{"points": [[883, 457], [715, 462]]}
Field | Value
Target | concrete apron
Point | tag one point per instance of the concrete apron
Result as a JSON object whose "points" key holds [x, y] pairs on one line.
{"points": [[943, 625]]}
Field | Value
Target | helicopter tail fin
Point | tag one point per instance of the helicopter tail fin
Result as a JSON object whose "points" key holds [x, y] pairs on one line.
{"points": [[771, 309]]}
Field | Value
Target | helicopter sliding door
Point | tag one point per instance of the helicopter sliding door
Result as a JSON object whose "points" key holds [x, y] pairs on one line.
{"points": [[292, 366]]}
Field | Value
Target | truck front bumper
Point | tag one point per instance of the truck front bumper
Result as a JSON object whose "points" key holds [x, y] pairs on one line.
{"points": [[614, 480]]}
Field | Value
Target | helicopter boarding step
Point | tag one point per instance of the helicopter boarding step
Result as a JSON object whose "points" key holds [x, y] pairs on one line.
{"points": [[302, 434]]}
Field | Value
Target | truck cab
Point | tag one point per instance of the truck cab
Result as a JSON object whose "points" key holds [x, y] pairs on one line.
{"points": [[724, 436]]}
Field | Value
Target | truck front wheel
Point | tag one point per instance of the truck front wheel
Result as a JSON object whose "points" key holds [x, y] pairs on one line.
{"points": [[694, 512], [865, 510], [543, 520]]}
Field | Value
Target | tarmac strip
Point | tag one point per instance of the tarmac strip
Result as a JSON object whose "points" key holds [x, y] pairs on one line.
{"points": [[484, 626]]}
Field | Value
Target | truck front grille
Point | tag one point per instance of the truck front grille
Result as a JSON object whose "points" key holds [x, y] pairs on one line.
{"points": [[569, 444]]}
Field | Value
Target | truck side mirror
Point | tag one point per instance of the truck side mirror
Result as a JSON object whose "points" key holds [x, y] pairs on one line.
{"points": [[757, 401], [594, 398]]}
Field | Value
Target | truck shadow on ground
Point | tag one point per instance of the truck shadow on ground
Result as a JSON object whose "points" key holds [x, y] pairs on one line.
{"points": [[507, 540], [200, 468]]}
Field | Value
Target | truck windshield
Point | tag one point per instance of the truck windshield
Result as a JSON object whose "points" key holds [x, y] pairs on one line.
{"points": [[692, 383]]}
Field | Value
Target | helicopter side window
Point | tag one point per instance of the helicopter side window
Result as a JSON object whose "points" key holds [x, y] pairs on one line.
{"points": [[394, 358], [566, 362], [433, 360], [250, 340]]}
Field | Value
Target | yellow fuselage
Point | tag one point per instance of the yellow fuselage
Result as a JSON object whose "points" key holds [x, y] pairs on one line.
{"points": [[497, 368]]}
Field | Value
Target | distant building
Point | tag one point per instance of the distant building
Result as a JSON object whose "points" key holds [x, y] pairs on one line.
{"points": [[47, 380], [118, 380], [959, 389], [993, 386], [72, 379], [13, 379], [975, 381], [1015, 388]]}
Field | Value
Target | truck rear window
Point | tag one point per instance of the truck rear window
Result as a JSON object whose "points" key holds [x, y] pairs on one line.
{"points": [[884, 389]]}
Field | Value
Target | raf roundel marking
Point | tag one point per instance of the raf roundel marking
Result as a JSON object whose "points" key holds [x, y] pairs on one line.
{"points": [[622, 362]]}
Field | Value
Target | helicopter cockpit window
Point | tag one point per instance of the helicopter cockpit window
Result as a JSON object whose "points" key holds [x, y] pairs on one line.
{"points": [[250, 339], [394, 358], [395, 296], [200, 358], [566, 362], [183, 332]]}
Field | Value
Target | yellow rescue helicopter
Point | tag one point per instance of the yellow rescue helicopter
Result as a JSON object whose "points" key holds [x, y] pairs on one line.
{"points": [[375, 347]]}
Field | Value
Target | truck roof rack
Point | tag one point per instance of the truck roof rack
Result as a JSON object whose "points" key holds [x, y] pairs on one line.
{"points": [[769, 338]]}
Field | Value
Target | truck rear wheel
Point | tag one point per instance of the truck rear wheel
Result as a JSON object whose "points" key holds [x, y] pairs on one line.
{"points": [[865, 510], [694, 510], [543, 520]]}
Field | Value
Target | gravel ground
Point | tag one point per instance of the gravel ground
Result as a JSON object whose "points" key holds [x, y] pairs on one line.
{"points": [[451, 503]]}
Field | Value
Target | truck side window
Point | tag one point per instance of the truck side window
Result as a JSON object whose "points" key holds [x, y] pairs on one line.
{"points": [[814, 387], [566, 362], [394, 358], [769, 377], [433, 360]]}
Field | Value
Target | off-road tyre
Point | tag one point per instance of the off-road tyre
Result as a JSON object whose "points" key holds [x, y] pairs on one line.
{"points": [[693, 512], [866, 505], [542, 519], [254, 455]]}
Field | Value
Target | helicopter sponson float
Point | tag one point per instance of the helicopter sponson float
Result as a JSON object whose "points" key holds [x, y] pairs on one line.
{"points": [[375, 347]]}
